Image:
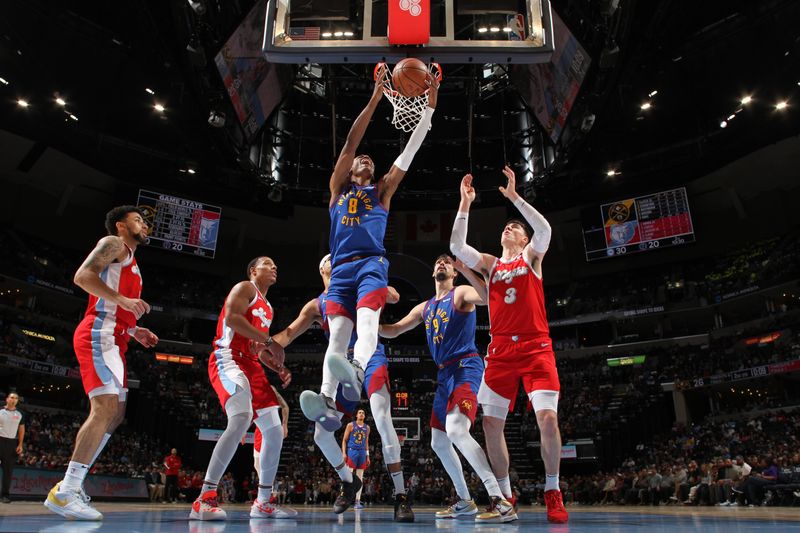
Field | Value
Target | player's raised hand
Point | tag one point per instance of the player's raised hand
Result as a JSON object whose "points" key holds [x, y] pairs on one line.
{"points": [[433, 90], [136, 306], [145, 337], [380, 80], [510, 190], [459, 265], [467, 190]]}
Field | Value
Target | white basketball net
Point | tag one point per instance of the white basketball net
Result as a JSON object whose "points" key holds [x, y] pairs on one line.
{"points": [[407, 110]]}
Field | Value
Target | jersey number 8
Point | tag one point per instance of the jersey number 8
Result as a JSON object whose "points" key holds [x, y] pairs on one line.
{"points": [[352, 205]]}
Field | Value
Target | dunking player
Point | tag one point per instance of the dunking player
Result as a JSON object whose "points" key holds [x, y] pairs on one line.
{"points": [[355, 449], [111, 277], [521, 346], [449, 319], [238, 378], [327, 412], [359, 209]]}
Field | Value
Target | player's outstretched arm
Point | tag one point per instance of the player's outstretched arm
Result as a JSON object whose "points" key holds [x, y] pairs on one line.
{"points": [[346, 435], [341, 171], [108, 250], [308, 315], [542, 232], [475, 294], [392, 179], [408, 322], [392, 296], [458, 238]]}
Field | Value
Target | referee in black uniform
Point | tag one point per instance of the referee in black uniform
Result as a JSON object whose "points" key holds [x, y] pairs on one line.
{"points": [[12, 434]]}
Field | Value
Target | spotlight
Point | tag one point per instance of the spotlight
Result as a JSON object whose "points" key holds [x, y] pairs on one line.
{"points": [[191, 171], [22, 103], [783, 104], [645, 106], [327, 34], [338, 33], [148, 90], [731, 117], [484, 29], [348, 34], [612, 172], [197, 6], [5, 82], [652, 94], [494, 29], [73, 117], [159, 108], [723, 124], [216, 119], [747, 99], [61, 102], [507, 29]]}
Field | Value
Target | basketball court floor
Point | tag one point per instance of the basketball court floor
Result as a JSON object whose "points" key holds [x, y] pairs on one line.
{"points": [[25, 517]]}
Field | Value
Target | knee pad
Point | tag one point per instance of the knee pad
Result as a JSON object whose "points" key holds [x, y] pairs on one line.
{"points": [[495, 411], [268, 418]]}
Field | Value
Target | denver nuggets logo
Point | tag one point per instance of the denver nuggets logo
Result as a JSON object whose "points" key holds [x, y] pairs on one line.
{"points": [[619, 212], [466, 405]]}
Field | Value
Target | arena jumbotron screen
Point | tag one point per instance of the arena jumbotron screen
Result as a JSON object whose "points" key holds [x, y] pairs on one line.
{"points": [[633, 225]]}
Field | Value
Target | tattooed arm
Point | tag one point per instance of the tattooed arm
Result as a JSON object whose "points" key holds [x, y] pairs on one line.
{"points": [[108, 250]]}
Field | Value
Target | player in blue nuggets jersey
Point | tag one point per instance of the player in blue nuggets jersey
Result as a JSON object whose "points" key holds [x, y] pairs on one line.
{"points": [[327, 412], [449, 319], [359, 209], [355, 449]]}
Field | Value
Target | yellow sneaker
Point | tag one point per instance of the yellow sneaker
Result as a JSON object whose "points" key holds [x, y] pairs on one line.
{"points": [[71, 504], [500, 511], [460, 508]]}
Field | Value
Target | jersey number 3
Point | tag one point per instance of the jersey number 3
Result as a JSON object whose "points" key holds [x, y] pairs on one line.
{"points": [[511, 296]]}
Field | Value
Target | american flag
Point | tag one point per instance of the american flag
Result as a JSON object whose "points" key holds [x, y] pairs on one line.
{"points": [[305, 33]]}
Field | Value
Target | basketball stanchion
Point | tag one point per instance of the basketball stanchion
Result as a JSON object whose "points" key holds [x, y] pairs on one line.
{"points": [[407, 109]]}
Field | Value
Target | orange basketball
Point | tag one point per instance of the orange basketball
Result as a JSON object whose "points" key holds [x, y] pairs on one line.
{"points": [[408, 77]]}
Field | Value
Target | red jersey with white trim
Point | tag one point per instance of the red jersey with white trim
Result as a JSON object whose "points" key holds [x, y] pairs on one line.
{"points": [[516, 300], [259, 314], [126, 279]]}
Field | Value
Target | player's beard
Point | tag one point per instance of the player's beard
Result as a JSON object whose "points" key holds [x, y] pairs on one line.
{"points": [[140, 237], [441, 276]]}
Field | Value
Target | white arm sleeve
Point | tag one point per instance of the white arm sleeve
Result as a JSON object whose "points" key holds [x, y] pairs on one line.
{"points": [[541, 228], [458, 242], [403, 161]]}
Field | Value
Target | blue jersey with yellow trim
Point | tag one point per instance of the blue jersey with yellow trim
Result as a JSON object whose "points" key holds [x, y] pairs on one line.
{"points": [[358, 223], [450, 332], [358, 437]]}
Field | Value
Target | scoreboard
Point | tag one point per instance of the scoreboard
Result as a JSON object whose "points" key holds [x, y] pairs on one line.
{"points": [[180, 225], [633, 225]]}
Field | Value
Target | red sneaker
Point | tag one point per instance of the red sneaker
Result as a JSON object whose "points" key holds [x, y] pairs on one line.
{"points": [[206, 507], [513, 501], [556, 512]]}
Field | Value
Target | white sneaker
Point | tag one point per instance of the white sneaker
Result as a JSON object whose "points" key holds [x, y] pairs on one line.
{"points": [[321, 409], [500, 511], [267, 510], [71, 504], [460, 508], [206, 507]]}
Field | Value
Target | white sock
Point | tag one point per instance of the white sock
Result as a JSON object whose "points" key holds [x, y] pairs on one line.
{"points": [[551, 482], [458, 433], [264, 493], [399, 483], [74, 476], [99, 450], [340, 328], [367, 329], [207, 487], [505, 486], [326, 442], [450, 461]]}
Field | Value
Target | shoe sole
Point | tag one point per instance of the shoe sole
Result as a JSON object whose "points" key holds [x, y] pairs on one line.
{"points": [[471, 512], [315, 410], [66, 514], [197, 516], [272, 516], [343, 371]]}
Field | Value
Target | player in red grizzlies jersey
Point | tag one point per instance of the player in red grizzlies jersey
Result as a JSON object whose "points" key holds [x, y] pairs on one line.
{"points": [[238, 378], [111, 277], [521, 347]]}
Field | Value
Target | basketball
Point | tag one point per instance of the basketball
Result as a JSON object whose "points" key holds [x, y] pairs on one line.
{"points": [[408, 77]]}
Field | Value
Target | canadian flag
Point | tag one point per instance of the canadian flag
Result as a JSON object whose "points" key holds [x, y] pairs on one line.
{"points": [[429, 227]]}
